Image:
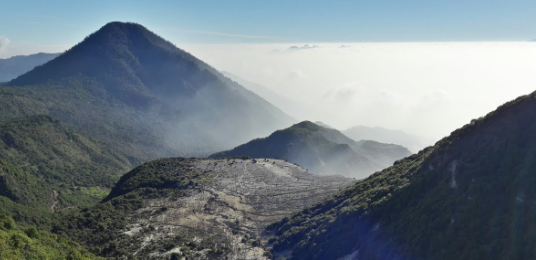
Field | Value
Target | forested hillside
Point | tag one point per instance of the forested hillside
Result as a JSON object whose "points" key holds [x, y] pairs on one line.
{"points": [[130, 87], [46, 168], [468, 197], [29, 243]]}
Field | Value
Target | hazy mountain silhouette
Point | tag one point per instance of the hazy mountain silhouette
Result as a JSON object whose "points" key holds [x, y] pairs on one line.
{"points": [[292, 107], [383, 135], [322, 124], [321, 150], [471, 196], [130, 86], [15, 66]]}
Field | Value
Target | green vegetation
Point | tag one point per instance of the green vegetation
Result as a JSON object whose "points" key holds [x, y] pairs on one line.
{"points": [[24, 196], [468, 197], [45, 168], [41, 146], [71, 127], [119, 97], [321, 150], [128, 87], [81, 104], [100, 228], [28, 243]]}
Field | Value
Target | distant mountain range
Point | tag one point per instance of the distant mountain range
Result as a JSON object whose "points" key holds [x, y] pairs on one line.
{"points": [[15, 66], [128, 86], [299, 110], [471, 196], [321, 150], [412, 142]]}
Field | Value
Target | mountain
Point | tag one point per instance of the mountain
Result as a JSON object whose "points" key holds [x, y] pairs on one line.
{"points": [[137, 91], [321, 150], [28, 243], [383, 135], [322, 124], [15, 66], [293, 107], [471, 196], [46, 168], [196, 208]]}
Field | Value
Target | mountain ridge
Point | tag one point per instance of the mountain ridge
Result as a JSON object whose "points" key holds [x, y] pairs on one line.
{"points": [[384, 135], [179, 104], [321, 150], [467, 188], [15, 66]]}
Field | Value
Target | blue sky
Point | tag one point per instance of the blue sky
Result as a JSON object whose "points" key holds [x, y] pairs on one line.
{"points": [[59, 22]]}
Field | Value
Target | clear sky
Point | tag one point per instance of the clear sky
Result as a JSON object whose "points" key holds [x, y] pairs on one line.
{"points": [[55, 24]]}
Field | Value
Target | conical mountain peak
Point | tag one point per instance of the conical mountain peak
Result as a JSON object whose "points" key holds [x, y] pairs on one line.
{"points": [[128, 68], [124, 56]]}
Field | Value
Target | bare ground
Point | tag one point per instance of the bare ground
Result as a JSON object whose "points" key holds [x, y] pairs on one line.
{"points": [[226, 218]]}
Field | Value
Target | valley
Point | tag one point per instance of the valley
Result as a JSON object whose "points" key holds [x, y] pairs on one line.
{"points": [[119, 144]]}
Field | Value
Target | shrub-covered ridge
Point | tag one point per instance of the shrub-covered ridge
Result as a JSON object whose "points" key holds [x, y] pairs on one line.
{"points": [[470, 196], [29, 243]]}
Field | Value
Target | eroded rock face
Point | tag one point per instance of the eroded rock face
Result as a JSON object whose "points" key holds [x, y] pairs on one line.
{"points": [[224, 215]]}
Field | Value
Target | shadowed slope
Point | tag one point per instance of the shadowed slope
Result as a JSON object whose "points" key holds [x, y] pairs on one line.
{"points": [[131, 87], [468, 197], [15, 66], [321, 150]]}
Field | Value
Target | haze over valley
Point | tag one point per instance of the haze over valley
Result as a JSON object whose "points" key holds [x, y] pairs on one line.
{"points": [[277, 130], [348, 86]]}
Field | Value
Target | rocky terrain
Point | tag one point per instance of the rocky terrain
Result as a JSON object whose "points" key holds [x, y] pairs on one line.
{"points": [[219, 211]]}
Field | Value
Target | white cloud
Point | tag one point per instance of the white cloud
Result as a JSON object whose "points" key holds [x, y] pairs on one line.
{"points": [[296, 74], [345, 46], [429, 89], [4, 42], [304, 47], [437, 96], [295, 48], [346, 91]]}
